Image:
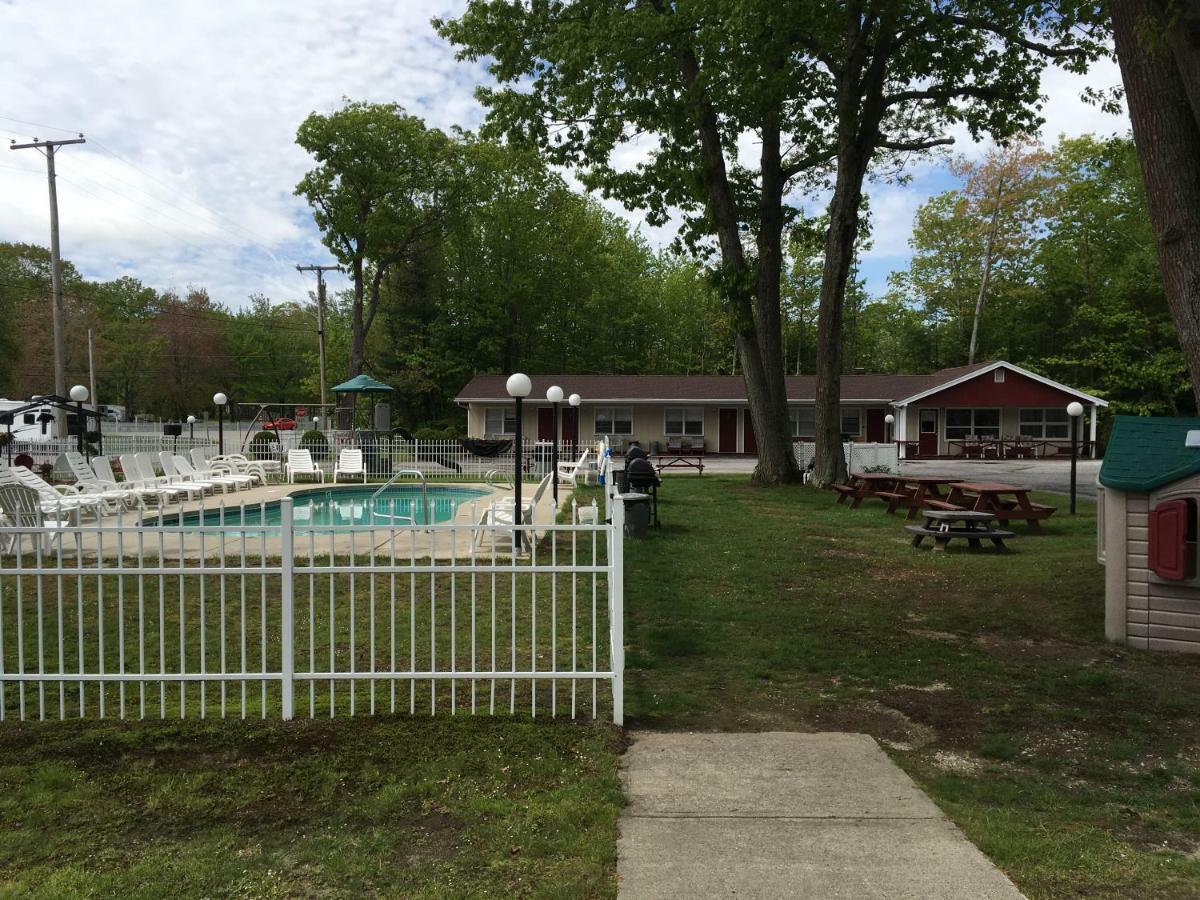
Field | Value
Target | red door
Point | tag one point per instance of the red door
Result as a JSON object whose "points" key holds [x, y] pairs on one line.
{"points": [[749, 441], [545, 423], [875, 426], [727, 431], [1172, 548], [569, 423], [928, 438]]}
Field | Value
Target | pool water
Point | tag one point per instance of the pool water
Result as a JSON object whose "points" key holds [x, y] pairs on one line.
{"points": [[345, 506]]}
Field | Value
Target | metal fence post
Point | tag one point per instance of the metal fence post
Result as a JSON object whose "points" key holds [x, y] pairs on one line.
{"points": [[616, 605], [287, 562]]}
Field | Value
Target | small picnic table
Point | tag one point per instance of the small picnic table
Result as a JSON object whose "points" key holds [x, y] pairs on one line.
{"points": [[945, 524], [922, 490], [1005, 502], [668, 461], [870, 484]]}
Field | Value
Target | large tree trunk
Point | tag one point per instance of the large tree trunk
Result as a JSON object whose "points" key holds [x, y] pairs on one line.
{"points": [[1167, 134]]}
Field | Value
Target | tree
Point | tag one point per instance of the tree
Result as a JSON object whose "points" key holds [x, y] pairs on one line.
{"points": [[1160, 68], [127, 346], [380, 192], [813, 84]]}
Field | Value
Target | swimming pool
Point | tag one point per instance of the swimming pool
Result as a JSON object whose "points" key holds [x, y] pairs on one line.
{"points": [[343, 506]]}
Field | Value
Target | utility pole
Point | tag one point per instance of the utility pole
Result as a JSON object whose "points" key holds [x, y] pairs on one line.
{"points": [[56, 300], [321, 270], [92, 370]]}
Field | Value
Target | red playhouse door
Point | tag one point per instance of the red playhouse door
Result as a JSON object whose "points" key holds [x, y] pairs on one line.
{"points": [[749, 441], [727, 431], [545, 423], [928, 437], [875, 426]]}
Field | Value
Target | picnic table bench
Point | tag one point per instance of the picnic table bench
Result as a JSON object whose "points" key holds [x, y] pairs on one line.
{"points": [[869, 484], [974, 527], [1005, 502]]}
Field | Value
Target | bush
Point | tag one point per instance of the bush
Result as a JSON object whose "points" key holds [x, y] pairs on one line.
{"points": [[5, 438], [313, 440], [264, 445], [439, 432]]}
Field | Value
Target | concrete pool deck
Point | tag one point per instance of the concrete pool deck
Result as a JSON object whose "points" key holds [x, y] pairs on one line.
{"points": [[450, 539]]}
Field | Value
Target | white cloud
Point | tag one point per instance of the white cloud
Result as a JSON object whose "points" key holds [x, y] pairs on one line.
{"points": [[203, 100]]}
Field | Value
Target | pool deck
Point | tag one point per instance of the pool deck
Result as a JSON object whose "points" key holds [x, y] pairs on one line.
{"points": [[453, 539]]}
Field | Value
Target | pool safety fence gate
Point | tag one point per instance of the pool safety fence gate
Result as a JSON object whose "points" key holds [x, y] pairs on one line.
{"points": [[136, 619], [859, 456]]}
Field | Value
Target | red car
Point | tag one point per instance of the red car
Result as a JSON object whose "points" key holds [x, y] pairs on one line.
{"points": [[283, 424]]}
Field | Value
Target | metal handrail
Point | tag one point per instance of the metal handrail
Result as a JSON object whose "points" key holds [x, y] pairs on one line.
{"points": [[494, 475], [392, 480]]}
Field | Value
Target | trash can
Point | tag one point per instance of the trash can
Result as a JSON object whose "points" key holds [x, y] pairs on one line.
{"points": [[637, 514], [622, 477]]}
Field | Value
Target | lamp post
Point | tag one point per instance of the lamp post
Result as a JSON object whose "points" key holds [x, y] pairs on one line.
{"points": [[191, 420], [575, 400], [518, 387], [555, 395], [219, 401], [1074, 410], [888, 422], [79, 394]]}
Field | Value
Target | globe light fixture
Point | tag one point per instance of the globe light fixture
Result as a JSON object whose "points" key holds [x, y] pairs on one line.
{"points": [[518, 385], [575, 400], [79, 393]]}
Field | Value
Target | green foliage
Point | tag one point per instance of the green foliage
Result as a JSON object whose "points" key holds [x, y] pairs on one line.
{"points": [[264, 445], [313, 439]]}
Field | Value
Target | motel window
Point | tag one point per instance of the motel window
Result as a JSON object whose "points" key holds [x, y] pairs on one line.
{"points": [[804, 421], [851, 421], [500, 420], [684, 420], [965, 423], [1050, 423], [614, 420]]}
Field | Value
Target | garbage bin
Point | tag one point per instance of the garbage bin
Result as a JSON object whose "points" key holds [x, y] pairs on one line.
{"points": [[622, 477], [637, 514]]}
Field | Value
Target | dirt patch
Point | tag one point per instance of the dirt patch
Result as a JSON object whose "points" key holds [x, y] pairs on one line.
{"points": [[438, 838], [1036, 650], [955, 763], [934, 635]]}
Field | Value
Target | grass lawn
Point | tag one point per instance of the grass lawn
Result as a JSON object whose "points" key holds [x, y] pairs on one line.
{"points": [[1072, 763]]}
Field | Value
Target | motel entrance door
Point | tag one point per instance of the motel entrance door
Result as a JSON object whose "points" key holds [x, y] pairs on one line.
{"points": [[727, 430], [927, 444]]}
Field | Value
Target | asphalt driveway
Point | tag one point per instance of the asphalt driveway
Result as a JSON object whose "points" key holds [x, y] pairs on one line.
{"points": [[1040, 475]]}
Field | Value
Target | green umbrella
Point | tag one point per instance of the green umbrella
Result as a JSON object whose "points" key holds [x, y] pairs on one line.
{"points": [[362, 384]]}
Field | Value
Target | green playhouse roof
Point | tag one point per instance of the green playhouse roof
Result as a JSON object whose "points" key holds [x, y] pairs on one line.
{"points": [[362, 384], [1145, 452]]}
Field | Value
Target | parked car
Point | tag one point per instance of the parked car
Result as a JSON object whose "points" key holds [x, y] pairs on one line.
{"points": [[282, 424]]}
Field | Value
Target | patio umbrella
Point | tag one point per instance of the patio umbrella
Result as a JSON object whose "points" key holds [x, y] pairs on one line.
{"points": [[361, 384]]}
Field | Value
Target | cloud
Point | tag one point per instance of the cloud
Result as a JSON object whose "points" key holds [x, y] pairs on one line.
{"points": [[191, 109]]}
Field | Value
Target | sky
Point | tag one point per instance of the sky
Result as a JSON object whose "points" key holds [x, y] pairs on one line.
{"points": [[190, 111]]}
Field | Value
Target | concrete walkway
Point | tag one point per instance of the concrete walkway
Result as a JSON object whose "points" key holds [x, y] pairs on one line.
{"points": [[787, 815]]}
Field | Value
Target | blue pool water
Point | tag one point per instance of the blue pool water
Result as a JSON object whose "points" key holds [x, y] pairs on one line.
{"points": [[344, 506]]}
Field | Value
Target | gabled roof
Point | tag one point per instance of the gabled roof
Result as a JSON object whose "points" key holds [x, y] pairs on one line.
{"points": [[1146, 452], [958, 375], [732, 388]]}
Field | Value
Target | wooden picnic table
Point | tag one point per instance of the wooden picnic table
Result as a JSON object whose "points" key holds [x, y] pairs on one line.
{"points": [[1005, 502], [922, 491], [668, 461], [870, 484], [943, 525]]}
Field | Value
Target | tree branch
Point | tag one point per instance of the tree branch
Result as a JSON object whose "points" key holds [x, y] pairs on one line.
{"points": [[943, 92], [1036, 46], [915, 145]]}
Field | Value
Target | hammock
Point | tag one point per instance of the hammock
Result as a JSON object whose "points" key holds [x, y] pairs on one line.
{"points": [[480, 447]]}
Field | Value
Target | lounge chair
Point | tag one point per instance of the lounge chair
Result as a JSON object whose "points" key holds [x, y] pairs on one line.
{"points": [[570, 473], [350, 462], [503, 512], [142, 467], [224, 480], [22, 507], [300, 462], [234, 463], [66, 499], [158, 493], [87, 482]]}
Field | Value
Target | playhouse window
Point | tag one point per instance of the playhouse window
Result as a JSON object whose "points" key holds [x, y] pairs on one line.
{"points": [[1172, 551]]}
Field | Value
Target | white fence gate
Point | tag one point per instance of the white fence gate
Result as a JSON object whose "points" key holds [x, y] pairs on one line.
{"points": [[859, 457], [247, 616]]}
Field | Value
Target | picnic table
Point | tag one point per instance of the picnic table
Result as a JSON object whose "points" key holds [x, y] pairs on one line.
{"points": [[922, 491], [667, 461], [863, 485], [1005, 502], [943, 525]]}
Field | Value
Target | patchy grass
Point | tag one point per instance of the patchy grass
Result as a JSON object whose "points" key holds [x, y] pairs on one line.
{"points": [[345, 808], [1073, 763]]}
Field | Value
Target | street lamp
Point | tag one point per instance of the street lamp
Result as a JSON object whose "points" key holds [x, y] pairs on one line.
{"points": [[219, 401], [575, 400], [555, 395], [1074, 410], [191, 420], [888, 421], [518, 387], [79, 394]]}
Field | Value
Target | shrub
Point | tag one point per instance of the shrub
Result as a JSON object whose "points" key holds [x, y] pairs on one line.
{"points": [[264, 445], [5, 438], [313, 440]]}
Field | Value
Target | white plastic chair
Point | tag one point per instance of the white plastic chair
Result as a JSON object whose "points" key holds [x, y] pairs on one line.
{"points": [[570, 473], [300, 462], [350, 462], [22, 507]]}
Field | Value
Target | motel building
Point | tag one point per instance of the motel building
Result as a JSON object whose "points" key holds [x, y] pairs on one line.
{"points": [[989, 410]]}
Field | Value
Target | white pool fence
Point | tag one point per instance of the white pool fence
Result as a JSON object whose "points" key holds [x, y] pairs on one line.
{"points": [[859, 457]]}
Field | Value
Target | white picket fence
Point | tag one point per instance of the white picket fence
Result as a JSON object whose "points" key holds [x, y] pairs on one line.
{"points": [[859, 457], [129, 618]]}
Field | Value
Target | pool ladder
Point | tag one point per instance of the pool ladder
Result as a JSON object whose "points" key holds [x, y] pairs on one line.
{"points": [[424, 492]]}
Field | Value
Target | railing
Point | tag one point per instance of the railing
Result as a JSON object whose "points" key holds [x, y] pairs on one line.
{"points": [[859, 457], [234, 617]]}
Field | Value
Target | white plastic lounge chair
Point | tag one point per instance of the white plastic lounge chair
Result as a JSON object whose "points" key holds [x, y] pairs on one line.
{"points": [[212, 473], [570, 473], [159, 494], [300, 462], [88, 483], [143, 466], [350, 462], [502, 512], [167, 462], [232, 464], [56, 502], [21, 507]]}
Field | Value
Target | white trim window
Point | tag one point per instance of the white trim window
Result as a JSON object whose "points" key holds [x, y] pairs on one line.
{"points": [[614, 420], [851, 421], [683, 420], [963, 423], [500, 420], [1047, 423], [804, 421]]}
